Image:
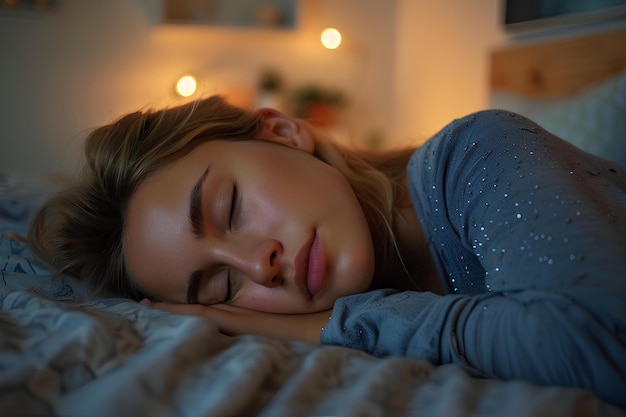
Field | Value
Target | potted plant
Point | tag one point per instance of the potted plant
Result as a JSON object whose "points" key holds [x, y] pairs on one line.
{"points": [[317, 104]]}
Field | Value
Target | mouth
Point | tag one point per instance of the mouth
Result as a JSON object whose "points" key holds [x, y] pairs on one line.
{"points": [[309, 267]]}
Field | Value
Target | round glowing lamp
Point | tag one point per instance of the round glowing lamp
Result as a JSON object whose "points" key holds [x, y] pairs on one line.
{"points": [[186, 85], [331, 38]]}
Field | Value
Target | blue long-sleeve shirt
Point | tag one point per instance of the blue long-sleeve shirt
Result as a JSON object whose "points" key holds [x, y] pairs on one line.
{"points": [[529, 237]]}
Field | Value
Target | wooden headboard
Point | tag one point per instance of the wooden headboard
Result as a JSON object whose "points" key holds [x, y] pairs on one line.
{"points": [[558, 68]]}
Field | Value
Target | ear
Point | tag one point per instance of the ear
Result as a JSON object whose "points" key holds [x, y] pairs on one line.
{"points": [[280, 128]]}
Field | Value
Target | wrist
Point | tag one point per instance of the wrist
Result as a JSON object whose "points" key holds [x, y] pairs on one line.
{"points": [[313, 331]]}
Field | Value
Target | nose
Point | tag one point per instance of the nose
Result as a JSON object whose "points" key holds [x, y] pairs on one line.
{"points": [[259, 260]]}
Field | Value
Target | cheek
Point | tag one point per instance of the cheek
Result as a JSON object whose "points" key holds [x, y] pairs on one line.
{"points": [[276, 202], [355, 268], [266, 206]]}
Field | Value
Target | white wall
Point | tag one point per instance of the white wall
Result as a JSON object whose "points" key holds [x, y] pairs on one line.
{"points": [[75, 68], [442, 66], [407, 66]]}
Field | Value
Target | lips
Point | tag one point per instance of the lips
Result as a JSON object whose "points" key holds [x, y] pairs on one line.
{"points": [[315, 277], [309, 267]]}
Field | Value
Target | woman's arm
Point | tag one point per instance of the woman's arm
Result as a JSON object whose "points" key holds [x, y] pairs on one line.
{"points": [[540, 336]]}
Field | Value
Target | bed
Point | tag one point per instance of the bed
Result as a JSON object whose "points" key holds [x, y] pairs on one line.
{"points": [[64, 353]]}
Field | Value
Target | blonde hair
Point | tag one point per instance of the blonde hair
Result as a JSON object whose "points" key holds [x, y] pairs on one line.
{"points": [[79, 231]]}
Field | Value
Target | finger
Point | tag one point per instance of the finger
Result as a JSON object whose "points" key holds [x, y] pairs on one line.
{"points": [[234, 309]]}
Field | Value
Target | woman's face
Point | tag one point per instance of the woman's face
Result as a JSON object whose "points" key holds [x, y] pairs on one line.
{"points": [[256, 224]]}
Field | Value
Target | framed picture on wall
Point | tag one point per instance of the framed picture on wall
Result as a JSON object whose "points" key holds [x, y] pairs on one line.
{"points": [[529, 15], [26, 7], [278, 14]]}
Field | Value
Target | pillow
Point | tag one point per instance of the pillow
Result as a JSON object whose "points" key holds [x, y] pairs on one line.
{"points": [[594, 119]]}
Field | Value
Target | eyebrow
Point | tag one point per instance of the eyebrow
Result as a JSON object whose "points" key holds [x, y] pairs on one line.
{"points": [[195, 205], [195, 219]]}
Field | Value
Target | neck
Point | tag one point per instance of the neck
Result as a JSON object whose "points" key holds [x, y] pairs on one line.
{"points": [[417, 270], [415, 253]]}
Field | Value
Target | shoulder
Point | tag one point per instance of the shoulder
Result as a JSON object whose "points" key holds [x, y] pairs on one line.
{"points": [[466, 142], [487, 128], [488, 121], [483, 140]]}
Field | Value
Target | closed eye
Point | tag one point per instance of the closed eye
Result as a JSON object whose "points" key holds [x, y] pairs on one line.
{"points": [[234, 206], [229, 289]]}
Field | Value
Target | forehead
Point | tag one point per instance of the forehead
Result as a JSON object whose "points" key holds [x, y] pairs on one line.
{"points": [[157, 235], [162, 200]]}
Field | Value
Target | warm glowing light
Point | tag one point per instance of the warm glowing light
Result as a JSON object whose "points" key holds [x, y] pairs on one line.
{"points": [[331, 38], [186, 86]]}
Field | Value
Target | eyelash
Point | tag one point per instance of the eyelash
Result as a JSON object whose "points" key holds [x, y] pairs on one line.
{"points": [[233, 205], [229, 288], [232, 216]]}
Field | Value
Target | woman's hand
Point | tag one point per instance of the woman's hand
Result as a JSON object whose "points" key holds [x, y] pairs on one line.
{"points": [[233, 321]]}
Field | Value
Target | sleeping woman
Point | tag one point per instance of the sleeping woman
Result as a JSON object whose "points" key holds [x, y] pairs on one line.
{"points": [[495, 246]]}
